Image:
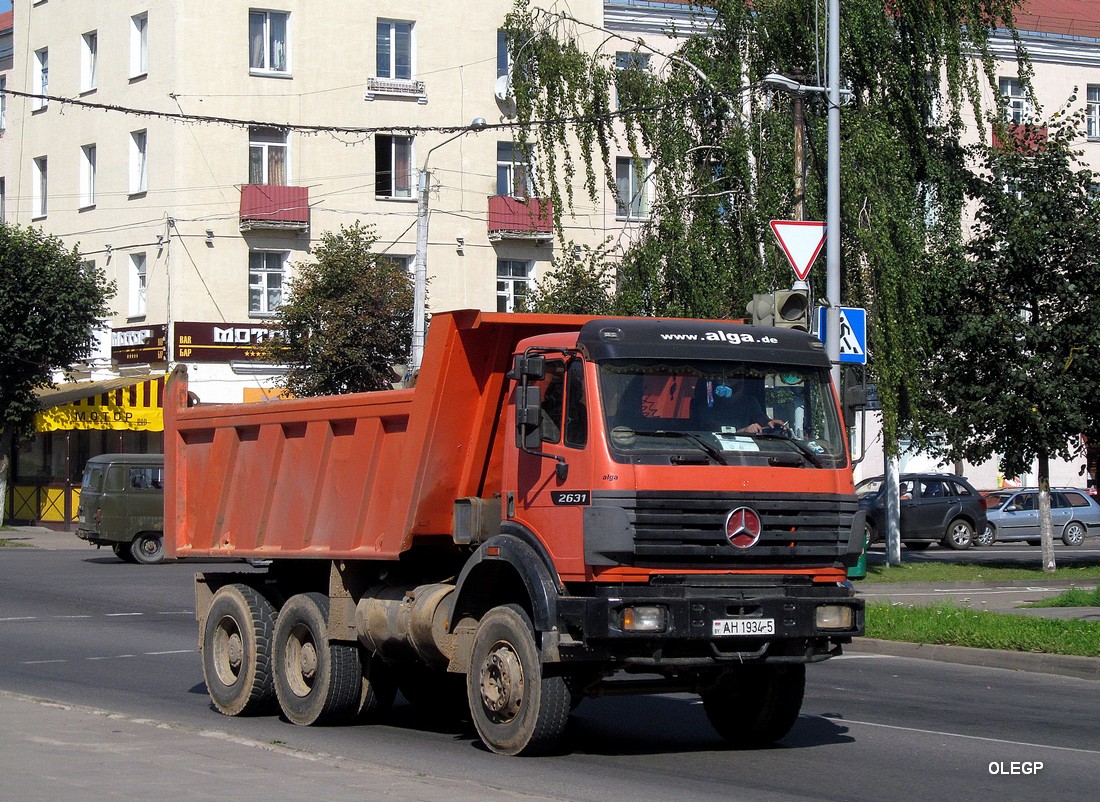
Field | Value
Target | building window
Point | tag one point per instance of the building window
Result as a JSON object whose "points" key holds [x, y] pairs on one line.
{"points": [[629, 60], [504, 58], [3, 200], [265, 281], [513, 171], [1017, 106], [89, 56], [513, 279], [3, 102], [39, 187], [268, 156], [394, 57], [393, 173], [41, 78], [138, 285], [139, 162], [87, 176], [267, 41], [139, 45], [1092, 112], [631, 181]]}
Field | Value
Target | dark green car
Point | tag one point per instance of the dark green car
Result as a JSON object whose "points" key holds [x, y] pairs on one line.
{"points": [[122, 505]]}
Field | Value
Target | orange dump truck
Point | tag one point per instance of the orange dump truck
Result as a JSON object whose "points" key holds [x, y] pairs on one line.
{"points": [[562, 507]]}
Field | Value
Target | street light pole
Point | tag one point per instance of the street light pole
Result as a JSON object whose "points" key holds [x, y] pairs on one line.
{"points": [[420, 273]]}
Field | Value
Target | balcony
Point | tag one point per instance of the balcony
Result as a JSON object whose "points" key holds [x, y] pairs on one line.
{"points": [[396, 87], [1021, 138], [520, 219], [273, 207]]}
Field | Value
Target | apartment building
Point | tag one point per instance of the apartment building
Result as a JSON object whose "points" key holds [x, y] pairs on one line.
{"points": [[196, 151]]}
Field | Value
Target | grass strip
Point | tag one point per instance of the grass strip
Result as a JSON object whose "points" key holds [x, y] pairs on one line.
{"points": [[949, 625], [969, 572], [1074, 597]]}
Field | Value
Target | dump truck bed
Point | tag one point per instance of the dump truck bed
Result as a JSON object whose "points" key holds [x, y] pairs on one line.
{"points": [[363, 475]]}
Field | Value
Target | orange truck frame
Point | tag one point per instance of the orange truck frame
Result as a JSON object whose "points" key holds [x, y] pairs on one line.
{"points": [[561, 507]]}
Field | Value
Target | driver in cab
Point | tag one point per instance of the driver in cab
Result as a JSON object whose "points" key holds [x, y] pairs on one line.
{"points": [[730, 405]]}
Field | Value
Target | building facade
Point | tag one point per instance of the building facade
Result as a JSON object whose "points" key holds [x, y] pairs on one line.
{"points": [[195, 152]]}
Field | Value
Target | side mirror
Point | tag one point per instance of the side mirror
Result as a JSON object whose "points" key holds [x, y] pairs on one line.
{"points": [[528, 367], [528, 417]]}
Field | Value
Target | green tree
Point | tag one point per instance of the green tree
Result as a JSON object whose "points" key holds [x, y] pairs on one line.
{"points": [[347, 318], [1017, 356], [721, 153], [50, 304], [579, 282]]}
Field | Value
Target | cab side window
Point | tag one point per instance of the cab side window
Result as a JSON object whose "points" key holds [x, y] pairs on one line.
{"points": [[146, 478], [553, 399], [576, 411]]}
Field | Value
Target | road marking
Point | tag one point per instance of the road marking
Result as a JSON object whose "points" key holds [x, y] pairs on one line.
{"points": [[19, 618], [120, 615], [943, 733], [111, 657]]}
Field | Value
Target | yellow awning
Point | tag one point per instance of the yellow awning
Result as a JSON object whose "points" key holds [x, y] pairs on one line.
{"points": [[123, 404]]}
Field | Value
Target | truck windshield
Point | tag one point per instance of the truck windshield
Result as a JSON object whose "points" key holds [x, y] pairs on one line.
{"points": [[696, 411]]}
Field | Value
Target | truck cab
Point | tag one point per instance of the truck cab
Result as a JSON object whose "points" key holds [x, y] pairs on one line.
{"points": [[122, 505]]}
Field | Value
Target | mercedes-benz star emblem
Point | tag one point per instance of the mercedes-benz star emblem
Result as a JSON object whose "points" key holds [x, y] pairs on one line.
{"points": [[743, 527]]}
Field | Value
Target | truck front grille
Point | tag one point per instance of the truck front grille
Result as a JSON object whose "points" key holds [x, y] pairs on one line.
{"points": [[687, 529]]}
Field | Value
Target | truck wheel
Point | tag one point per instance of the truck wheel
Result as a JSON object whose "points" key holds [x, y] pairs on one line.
{"points": [[147, 548], [378, 687], [754, 706], [236, 651], [516, 708], [317, 681]]}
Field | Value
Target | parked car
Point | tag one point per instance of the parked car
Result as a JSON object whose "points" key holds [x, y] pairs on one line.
{"points": [[935, 508], [122, 505], [1014, 515]]}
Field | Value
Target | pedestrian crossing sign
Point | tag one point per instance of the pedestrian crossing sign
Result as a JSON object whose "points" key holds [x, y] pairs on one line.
{"points": [[853, 333]]}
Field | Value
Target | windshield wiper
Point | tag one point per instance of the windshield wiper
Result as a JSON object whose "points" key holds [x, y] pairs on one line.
{"points": [[711, 451], [807, 452]]}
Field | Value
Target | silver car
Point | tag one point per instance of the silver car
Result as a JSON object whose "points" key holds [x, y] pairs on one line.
{"points": [[1014, 515]]}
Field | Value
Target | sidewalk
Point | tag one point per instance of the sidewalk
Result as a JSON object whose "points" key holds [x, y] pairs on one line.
{"points": [[51, 751]]}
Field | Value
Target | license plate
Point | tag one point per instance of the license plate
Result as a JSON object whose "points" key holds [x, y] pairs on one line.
{"points": [[743, 626]]}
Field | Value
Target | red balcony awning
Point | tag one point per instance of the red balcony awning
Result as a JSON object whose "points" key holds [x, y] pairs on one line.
{"points": [[1021, 138], [520, 218], [273, 206]]}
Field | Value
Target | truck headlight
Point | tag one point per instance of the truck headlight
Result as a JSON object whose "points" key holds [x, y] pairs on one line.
{"points": [[643, 619], [834, 616]]}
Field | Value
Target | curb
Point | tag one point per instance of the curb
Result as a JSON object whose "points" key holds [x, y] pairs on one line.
{"points": [[1058, 664]]}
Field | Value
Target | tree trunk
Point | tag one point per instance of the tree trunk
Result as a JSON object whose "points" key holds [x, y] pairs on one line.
{"points": [[893, 513], [1046, 527]]}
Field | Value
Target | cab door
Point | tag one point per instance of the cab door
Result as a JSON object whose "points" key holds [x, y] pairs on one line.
{"points": [[550, 505]]}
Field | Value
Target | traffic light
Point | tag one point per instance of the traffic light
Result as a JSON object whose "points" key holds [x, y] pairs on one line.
{"points": [[762, 309], [792, 309]]}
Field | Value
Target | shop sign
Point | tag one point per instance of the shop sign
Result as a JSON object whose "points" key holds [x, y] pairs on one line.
{"points": [[139, 344], [220, 342]]}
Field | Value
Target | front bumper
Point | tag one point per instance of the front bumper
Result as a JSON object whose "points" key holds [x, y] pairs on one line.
{"points": [[590, 628]]}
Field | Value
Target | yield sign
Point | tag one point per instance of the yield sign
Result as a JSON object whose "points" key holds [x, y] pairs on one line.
{"points": [[801, 241]]}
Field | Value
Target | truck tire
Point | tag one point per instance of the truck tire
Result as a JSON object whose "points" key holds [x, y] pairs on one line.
{"points": [[236, 651], [148, 548], [516, 708], [754, 706], [317, 681]]}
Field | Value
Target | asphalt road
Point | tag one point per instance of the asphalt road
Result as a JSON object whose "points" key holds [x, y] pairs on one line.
{"points": [[81, 628]]}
